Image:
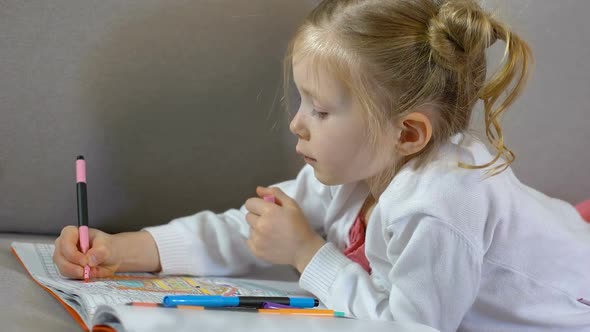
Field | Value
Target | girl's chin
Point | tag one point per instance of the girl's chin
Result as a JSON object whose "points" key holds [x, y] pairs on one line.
{"points": [[326, 179]]}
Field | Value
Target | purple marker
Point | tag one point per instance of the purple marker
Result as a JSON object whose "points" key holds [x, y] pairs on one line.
{"points": [[272, 305]]}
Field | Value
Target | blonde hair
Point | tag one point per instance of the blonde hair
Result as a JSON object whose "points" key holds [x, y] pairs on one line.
{"points": [[397, 55]]}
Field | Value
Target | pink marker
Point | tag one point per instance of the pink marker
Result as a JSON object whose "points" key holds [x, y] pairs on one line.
{"points": [[269, 198], [82, 210]]}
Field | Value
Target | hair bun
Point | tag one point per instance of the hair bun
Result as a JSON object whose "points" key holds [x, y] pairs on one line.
{"points": [[460, 32]]}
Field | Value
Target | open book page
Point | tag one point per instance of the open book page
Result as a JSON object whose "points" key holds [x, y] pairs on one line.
{"points": [[85, 298]]}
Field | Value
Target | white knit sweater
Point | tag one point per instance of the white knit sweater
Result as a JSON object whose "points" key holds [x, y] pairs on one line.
{"points": [[448, 248]]}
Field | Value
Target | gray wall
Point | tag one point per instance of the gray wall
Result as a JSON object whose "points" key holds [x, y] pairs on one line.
{"points": [[549, 127], [173, 103]]}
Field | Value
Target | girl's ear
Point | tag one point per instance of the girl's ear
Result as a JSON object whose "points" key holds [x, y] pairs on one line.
{"points": [[416, 132]]}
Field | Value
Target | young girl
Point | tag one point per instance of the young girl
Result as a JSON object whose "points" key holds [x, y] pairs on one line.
{"points": [[399, 214]]}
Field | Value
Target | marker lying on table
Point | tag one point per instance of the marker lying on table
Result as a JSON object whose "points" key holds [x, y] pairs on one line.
{"points": [[265, 305], [82, 210], [288, 311], [237, 301], [160, 305], [294, 311]]}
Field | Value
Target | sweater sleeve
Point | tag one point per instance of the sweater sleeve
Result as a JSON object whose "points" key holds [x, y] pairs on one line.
{"points": [[434, 277], [208, 244]]}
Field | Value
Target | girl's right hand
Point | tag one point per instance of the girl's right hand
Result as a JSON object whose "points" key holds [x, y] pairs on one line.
{"points": [[100, 257]]}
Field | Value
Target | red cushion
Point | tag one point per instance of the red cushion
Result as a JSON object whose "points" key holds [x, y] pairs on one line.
{"points": [[584, 209]]}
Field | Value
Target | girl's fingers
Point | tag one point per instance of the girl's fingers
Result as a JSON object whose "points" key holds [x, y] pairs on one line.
{"points": [[69, 234], [67, 269], [256, 205], [279, 196], [66, 245], [252, 220], [97, 255]]}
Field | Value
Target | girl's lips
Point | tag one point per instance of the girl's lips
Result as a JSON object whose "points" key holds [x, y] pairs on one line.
{"points": [[309, 160]]}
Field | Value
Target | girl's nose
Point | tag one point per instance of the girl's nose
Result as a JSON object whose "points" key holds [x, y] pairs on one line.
{"points": [[298, 127]]}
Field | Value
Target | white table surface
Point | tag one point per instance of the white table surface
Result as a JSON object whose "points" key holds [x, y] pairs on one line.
{"points": [[189, 321]]}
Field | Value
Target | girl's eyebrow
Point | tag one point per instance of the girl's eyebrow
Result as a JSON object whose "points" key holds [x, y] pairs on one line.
{"points": [[313, 95], [308, 92]]}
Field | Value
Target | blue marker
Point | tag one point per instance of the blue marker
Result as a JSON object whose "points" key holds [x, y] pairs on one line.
{"points": [[237, 301]]}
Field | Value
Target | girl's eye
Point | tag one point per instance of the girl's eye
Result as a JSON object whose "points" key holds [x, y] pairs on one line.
{"points": [[320, 115]]}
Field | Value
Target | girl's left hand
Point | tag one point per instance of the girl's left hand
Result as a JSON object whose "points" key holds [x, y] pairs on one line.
{"points": [[279, 232]]}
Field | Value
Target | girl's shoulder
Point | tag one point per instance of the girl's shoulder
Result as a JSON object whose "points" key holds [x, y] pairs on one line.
{"points": [[445, 191], [443, 178]]}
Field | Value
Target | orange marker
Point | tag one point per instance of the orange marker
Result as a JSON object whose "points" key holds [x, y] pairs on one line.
{"points": [[306, 312]]}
